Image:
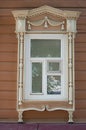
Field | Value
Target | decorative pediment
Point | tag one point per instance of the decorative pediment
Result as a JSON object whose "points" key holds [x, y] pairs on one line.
{"points": [[46, 9], [53, 11], [45, 18]]}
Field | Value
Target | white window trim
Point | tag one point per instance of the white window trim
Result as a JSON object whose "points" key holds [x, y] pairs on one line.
{"points": [[64, 73]]}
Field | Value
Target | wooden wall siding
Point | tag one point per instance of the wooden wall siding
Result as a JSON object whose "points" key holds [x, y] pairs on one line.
{"points": [[8, 59], [36, 3]]}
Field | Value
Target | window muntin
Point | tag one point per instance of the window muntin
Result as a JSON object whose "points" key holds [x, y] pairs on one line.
{"points": [[57, 72]]}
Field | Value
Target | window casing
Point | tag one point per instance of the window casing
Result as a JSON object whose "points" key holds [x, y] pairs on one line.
{"points": [[39, 69], [46, 61]]}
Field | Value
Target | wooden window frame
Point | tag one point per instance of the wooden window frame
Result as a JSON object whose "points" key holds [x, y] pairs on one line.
{"points": [[64, 68]]}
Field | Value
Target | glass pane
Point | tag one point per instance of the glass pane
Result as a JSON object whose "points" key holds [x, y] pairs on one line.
{"points": [[53, 84], [53, 66], [45, 48], [36, 77]]}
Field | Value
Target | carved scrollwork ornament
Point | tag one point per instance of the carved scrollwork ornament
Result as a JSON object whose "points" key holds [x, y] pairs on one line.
{"points": [[46, 21]]}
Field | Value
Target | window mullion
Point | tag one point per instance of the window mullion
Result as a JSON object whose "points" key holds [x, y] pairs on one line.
{"points": [[44, 77]]}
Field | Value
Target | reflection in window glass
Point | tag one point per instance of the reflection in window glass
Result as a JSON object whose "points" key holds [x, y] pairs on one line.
{"points": [[53, 66], [53, 84], [45, 48], [36, 77]]}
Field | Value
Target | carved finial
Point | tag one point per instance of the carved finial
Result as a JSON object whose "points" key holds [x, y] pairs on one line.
{"points": [[29, 25], [62, 27], [46, 22]]}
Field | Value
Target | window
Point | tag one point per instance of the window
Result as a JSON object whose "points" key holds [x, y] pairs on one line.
{"points": [[46, 67]]}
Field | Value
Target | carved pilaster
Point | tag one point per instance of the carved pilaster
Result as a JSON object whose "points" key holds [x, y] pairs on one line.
{"points": [[70, 67], [20, 66]]}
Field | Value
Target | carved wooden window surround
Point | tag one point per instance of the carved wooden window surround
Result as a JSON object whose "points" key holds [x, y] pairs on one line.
{"points": [[42, 24]]}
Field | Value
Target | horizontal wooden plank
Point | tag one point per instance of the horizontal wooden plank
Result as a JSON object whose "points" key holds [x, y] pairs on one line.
{"points": [[8, 114], [8, 38], [8, 86], [80, 38], [80, 85], [7, 104], [8, 66], [37, 3], [81, 28], [80, 116], [7, 29], [80, 66], [83, 12], [80, 56], [80, 47], [6, 12], [8, 76], [6, 47], [80, 94], [8, 57], [81, 20], [80, 75], [7, 95], [7, 20], [80, 104]]}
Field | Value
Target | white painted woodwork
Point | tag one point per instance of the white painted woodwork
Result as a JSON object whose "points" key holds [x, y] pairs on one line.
{"points": [[65, 25]]}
